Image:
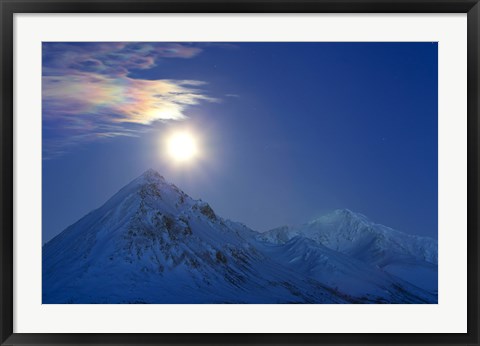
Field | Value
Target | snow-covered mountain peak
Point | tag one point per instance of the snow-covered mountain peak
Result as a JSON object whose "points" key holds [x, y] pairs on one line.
{"points": [[347, 213], [152, 189], [152, 243], [354, 234], [153, 179], [151, 175], [341, 216]]}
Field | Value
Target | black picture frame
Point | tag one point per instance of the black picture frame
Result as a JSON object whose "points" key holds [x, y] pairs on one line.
{"points": [[9, 8]]}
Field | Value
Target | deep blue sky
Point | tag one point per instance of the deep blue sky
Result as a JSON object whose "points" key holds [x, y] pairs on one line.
{"points": [[296, 130]]}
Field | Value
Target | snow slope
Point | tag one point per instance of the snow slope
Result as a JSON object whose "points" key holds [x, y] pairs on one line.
{"points": [[409, 257], [152, 243]]}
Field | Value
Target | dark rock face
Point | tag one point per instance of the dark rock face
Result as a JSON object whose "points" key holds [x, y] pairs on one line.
{"points": [[206, 210]]}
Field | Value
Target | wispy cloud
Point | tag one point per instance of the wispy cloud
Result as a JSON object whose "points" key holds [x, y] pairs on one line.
{"points": [[89, 92]]}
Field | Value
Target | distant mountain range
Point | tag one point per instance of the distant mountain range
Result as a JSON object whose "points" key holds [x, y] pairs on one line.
{"points": [[152, 243]]}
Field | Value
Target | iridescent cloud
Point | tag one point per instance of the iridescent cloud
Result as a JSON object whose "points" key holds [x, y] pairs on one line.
{"points": [[88, 91]]}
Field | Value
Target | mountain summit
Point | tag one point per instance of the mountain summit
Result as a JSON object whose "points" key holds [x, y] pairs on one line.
{"points": [[410, 257], [152, 243]]}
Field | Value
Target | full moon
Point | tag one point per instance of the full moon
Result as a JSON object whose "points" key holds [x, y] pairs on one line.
{"points": [[182, 146]]}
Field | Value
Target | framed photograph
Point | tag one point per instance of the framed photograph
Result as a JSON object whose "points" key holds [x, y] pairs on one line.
{"points": [[239, 173]]}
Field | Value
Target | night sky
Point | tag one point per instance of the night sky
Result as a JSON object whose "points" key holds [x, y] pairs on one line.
{"points": [[286, 131]]}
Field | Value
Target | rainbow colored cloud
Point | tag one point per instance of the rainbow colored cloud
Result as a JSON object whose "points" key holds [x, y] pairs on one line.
{"points": [[88, 92]]}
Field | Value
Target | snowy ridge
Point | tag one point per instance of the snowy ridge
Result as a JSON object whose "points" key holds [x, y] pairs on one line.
{"points": [[152, 243], [411, 257]]}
